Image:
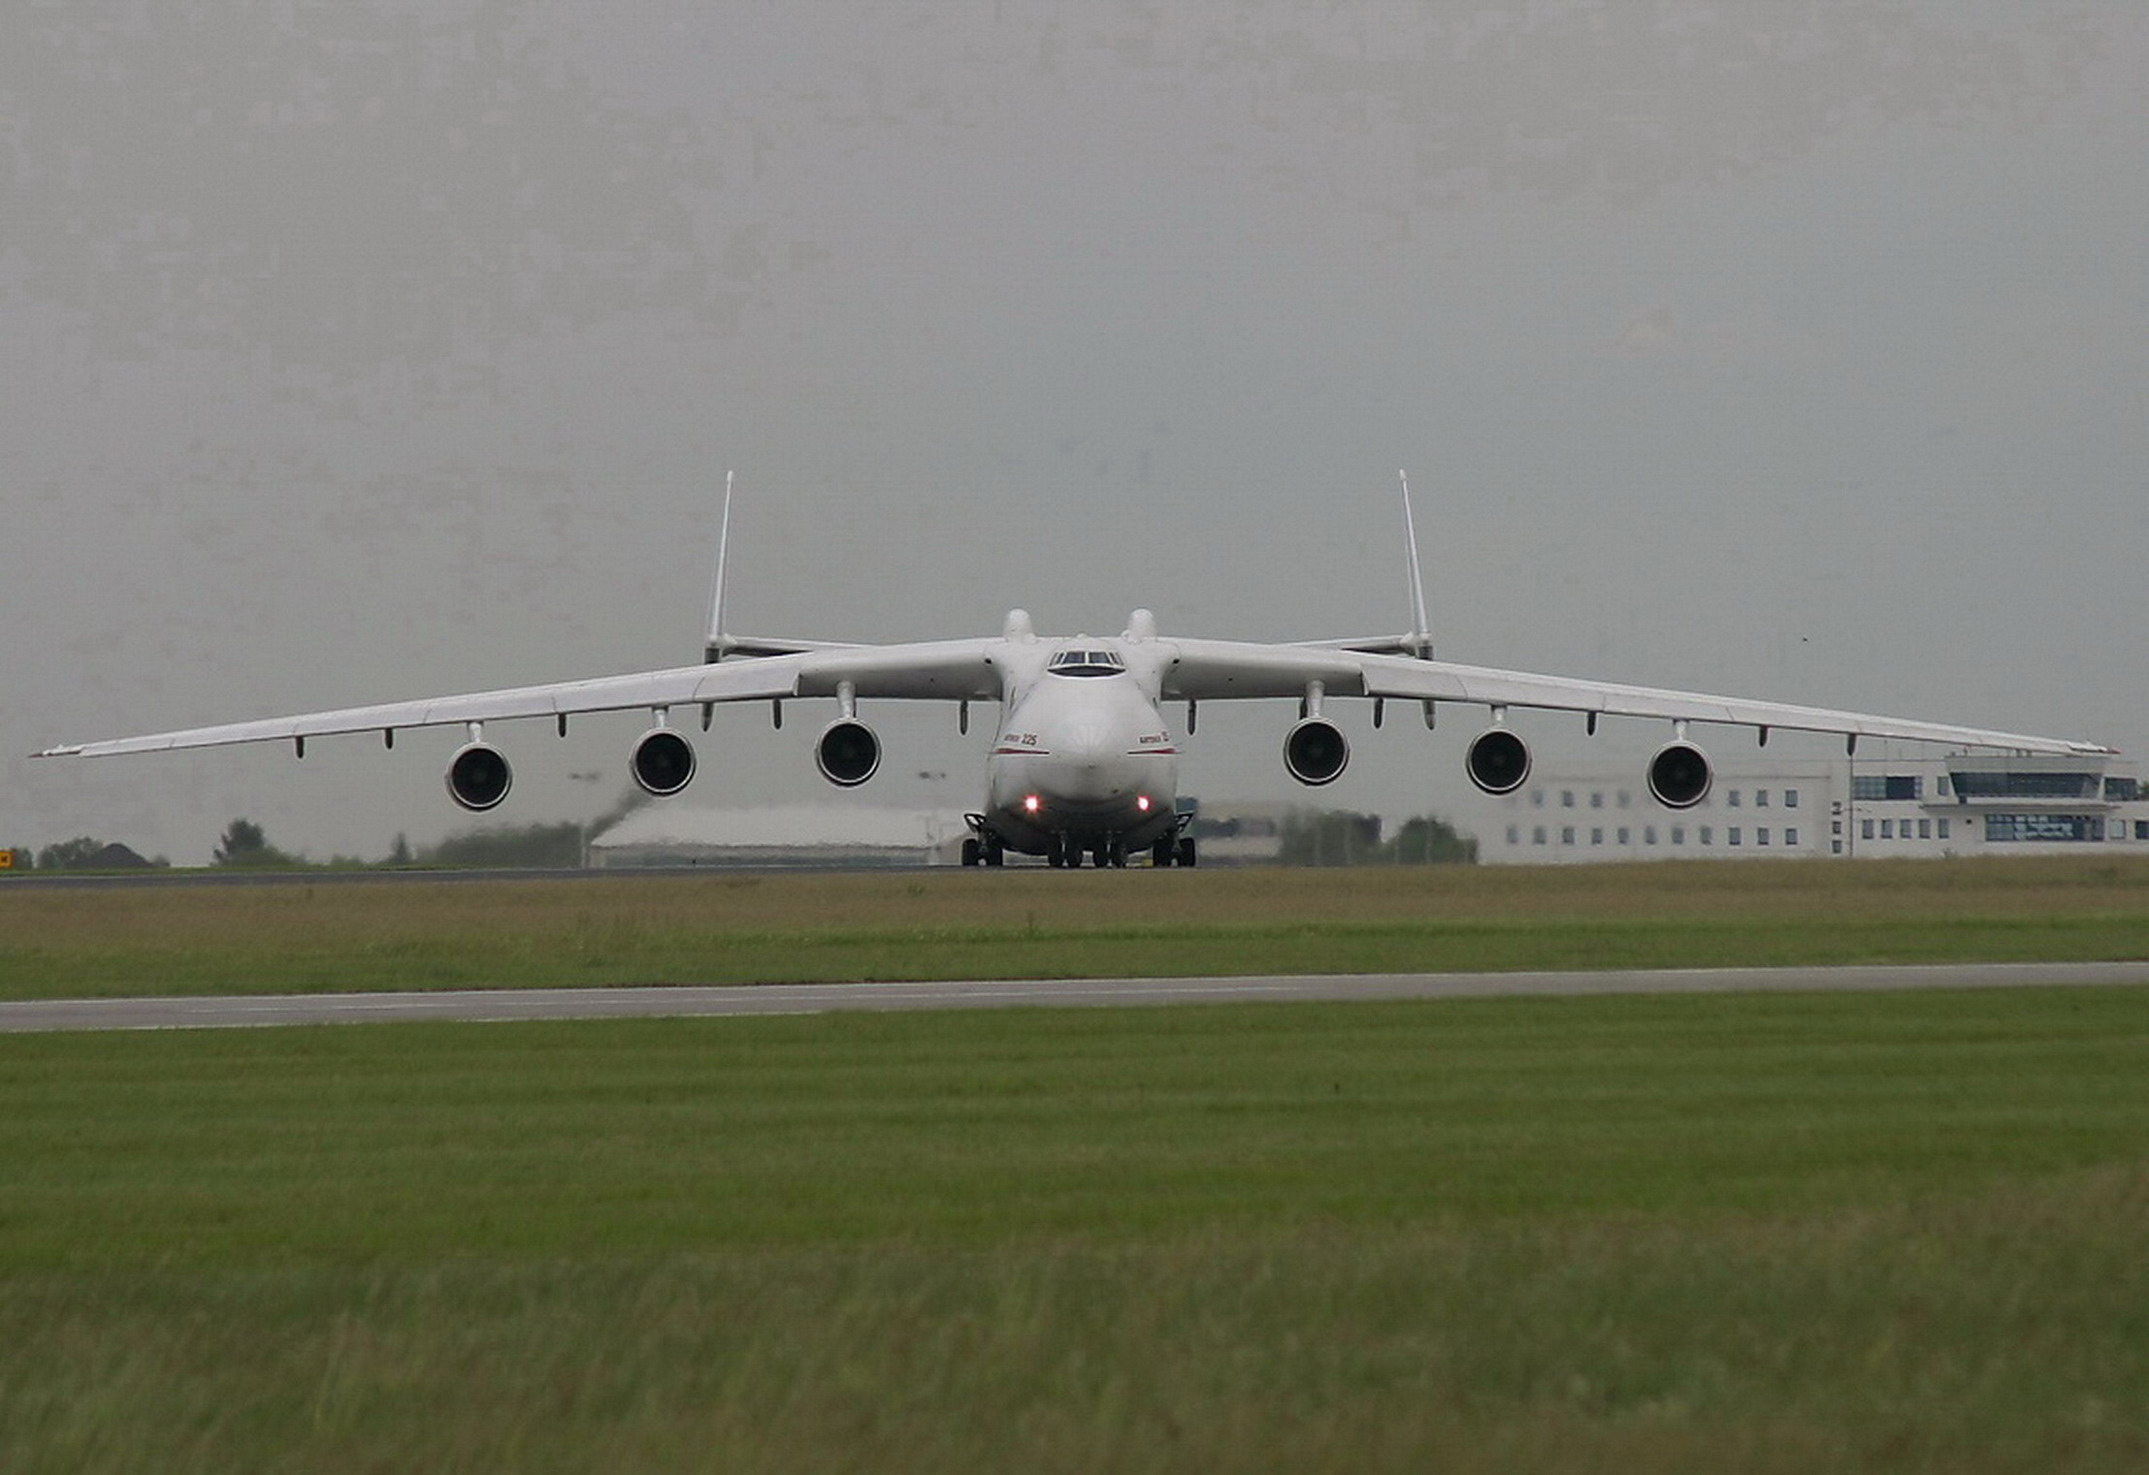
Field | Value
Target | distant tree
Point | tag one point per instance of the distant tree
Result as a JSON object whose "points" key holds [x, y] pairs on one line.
{"points": [[246, 844], [1334, 837], [399, 853], [519, 847], [69, 855], [1329, 837], [1429, 841]]}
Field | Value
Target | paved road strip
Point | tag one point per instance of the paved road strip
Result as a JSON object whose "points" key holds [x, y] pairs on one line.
{"points": [[195, 1012]]}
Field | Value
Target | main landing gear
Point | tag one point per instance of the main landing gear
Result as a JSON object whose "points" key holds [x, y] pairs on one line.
{"points": [[1106, 852], [1173, 851]]}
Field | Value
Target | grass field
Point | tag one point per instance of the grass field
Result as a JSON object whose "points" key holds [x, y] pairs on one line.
{"points": [[1732, 1233], [1735, 1233], [957, 924]]}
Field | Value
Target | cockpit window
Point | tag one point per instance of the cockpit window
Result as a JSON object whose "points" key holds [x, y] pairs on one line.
{"points": [[1086, 663]]}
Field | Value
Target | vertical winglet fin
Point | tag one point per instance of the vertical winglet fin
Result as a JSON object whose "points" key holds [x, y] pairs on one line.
{"points": [[715, 648], [1421, 637]]}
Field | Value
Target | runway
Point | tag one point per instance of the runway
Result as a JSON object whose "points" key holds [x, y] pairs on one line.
{"points": [[506, 1005]]}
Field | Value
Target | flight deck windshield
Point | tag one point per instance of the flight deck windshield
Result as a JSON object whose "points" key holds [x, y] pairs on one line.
{"points": [[1086, 663]]}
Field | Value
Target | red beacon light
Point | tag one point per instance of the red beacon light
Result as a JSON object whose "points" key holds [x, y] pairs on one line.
{"points": [[1030, 804], [1142, 803]]}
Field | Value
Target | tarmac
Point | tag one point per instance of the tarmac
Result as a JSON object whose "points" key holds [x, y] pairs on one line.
{"points": [[686, 1001]]}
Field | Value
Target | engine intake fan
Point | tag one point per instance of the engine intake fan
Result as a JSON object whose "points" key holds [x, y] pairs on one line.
{"points": [[1499, 761], [479, 777], [1680, 775], [662, 762], [847, 752], [1315, 752]]}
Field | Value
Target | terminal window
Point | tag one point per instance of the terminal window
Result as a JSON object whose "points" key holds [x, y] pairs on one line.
{"points": [[1790, 798], [2039, 828], [1888, 786], [1790, 837], [1979, 785]]}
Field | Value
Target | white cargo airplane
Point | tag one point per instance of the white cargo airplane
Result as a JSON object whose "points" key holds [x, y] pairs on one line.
{"points": [[1085, 762]]}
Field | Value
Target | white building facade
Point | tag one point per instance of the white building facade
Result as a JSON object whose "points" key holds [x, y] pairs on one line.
{"points": [[1963, 804]]}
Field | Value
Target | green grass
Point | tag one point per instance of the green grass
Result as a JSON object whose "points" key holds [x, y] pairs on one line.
{"points": [[715, 929], [1700, 1233]]}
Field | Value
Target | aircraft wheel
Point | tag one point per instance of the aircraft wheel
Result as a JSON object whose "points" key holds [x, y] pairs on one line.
{"points": [[1186, 851], [972, 851], [1162, 853], [995, 853]]}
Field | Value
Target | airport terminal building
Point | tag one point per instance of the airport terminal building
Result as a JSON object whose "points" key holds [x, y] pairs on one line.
{"points": [[1962, 804]]}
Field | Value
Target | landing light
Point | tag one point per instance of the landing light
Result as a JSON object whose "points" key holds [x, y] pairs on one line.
{"points": [[1142, 803], [1029, 804]]}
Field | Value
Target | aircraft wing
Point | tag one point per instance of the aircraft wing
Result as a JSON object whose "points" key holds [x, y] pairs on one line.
{"points": [[1220, 669], [948, 670]]}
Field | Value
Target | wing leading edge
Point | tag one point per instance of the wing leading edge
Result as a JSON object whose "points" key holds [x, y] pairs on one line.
{"points": [[953, 670], [969, 670], [1208, 670]]}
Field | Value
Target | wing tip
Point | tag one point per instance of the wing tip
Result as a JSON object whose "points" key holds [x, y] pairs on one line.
{"points": [[69, 750]]}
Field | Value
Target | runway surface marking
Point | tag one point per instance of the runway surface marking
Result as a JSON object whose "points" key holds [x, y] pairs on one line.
{"points": [[508, 1004]]}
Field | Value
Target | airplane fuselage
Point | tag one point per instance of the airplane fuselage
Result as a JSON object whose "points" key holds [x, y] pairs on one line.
{"points": [[1084, 760]]}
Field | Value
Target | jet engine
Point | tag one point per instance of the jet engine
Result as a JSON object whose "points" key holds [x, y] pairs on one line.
{"points": [[1499, 761], [662, 762], [1315, 751], [1679, 775], [847, 752], [479, 776]]}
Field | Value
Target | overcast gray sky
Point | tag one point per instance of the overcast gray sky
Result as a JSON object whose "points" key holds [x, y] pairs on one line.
{"points": [[363, 351]]}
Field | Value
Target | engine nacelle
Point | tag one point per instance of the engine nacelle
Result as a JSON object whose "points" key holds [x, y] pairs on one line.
{"points": [[479, 777], [847, 752], [1315, 751], [662, 762], [1680, 775], [1499, 761]]}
